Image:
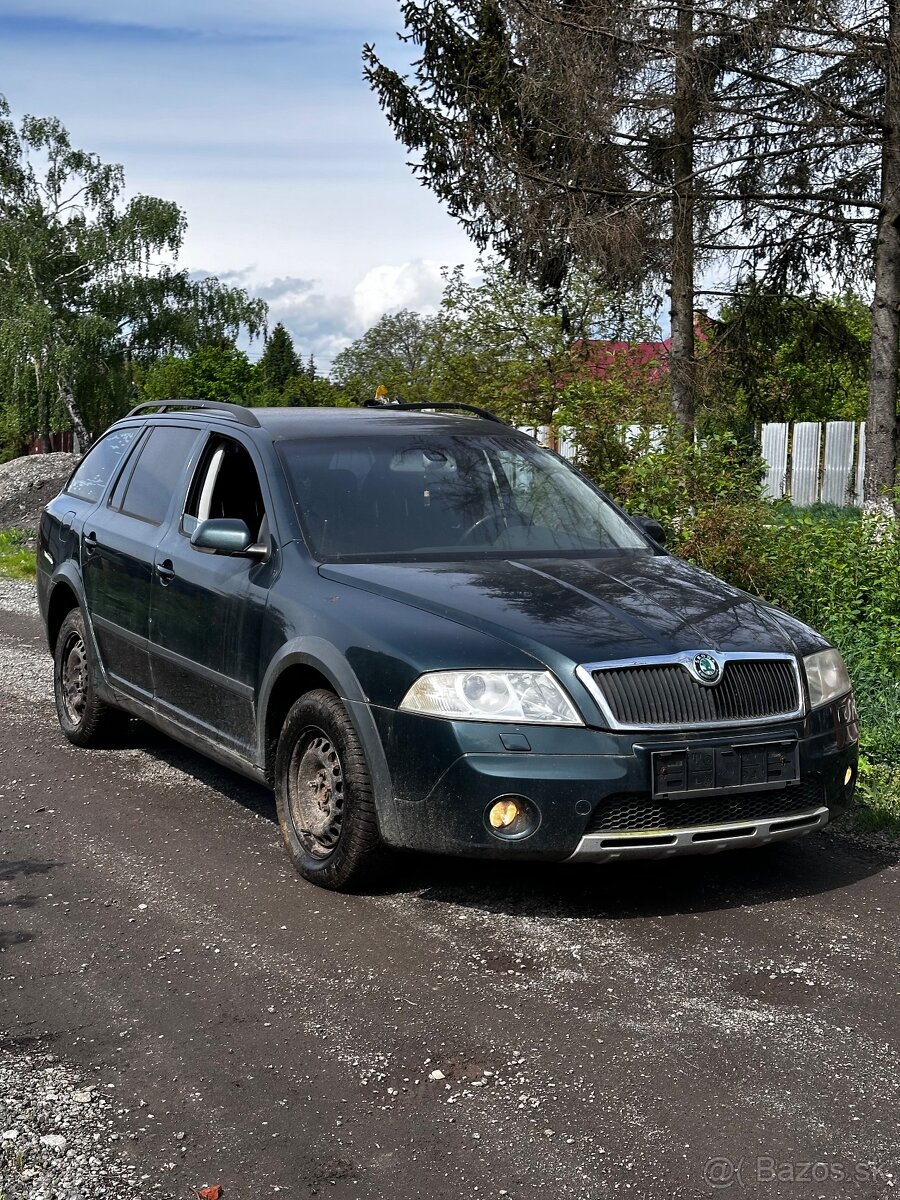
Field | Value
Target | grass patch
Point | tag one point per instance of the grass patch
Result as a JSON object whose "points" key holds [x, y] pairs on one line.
{"points": [[16, 557], [877, 798]]}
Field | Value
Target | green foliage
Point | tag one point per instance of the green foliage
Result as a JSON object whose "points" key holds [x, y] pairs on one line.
{"points": [[402, 353], [305, 391], [279, 362], [879, 794], [706, 493], [16, 556], [842, 575], [795, 358], [213, 373], [225, 373], [496, 342], [522, 348]]}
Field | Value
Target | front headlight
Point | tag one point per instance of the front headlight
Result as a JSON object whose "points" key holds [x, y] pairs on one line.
{"points": [[527, 697], [826, 676]]}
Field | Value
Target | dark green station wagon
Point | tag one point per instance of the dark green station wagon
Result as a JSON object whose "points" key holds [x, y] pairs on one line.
{"points": [[425, 631]]}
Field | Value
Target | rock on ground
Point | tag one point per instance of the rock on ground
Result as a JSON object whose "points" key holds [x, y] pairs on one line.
{"points": [[60, 1135]]}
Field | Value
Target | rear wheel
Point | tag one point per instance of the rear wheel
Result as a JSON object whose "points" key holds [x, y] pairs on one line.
{"points": [[323, 790], [84, 718]]}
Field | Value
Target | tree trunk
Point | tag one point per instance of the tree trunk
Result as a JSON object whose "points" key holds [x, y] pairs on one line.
{"points": [[43, 407], [43, 430], [682, 363], [881, 427], [67, 397]]}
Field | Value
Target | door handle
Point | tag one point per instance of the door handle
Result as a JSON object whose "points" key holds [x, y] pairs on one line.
{"points": [[165, 570], [90, 542]]}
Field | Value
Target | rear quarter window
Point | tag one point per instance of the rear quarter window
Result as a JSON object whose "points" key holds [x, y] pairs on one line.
{"points": [[93, 473]]}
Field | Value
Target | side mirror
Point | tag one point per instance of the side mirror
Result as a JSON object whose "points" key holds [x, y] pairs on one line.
{"points": [[652, 528], [225, 535]]}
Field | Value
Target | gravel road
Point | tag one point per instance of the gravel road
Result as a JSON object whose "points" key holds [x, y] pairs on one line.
{"points": [[181, 1010]]}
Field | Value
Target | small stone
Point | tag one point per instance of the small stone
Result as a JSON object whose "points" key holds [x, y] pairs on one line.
{"points": [[437, 1075], [55, 1141], [9, 1135]]}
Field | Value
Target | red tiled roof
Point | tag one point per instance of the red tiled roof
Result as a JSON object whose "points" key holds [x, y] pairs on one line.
{"points": [[602, 357]]}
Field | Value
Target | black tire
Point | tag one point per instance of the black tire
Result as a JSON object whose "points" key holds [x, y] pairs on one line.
{"points": [[84, 718], [323, 792]]}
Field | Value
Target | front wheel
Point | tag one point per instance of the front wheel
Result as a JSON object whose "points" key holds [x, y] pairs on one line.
{"points": [[323, 791], [84, 718]]}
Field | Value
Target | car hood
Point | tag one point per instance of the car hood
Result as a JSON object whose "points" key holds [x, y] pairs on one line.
{"points": [[588, 610]]}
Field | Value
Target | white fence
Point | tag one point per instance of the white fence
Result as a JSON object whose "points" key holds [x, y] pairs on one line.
{"points": [[801, 464], [800, 467]]}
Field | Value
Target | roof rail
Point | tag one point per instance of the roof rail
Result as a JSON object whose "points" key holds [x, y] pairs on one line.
{"points": [[425, 406], [244, 416]]}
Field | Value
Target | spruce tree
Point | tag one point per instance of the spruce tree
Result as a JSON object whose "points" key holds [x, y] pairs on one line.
{"points": [[279, 361], [597, 133]]}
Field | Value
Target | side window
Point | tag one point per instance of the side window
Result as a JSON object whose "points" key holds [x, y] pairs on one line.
{"points": [[159, 467], [225, 485], [95, 470]]}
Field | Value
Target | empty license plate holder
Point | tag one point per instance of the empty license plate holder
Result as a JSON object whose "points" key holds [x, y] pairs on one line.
{"points": [[750, 767]]}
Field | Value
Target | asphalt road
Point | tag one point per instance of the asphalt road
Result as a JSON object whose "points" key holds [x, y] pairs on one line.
{"points": [[728, 1024]]}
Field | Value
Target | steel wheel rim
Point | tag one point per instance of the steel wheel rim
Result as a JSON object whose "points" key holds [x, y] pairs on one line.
{"points": [[74, 678], [316, 793]]}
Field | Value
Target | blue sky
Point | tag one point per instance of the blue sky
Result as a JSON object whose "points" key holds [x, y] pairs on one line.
{"points": [[253, 117]]}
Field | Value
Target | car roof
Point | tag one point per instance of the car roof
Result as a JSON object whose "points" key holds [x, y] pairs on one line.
{"points": [[286, 424], [290, 424]]}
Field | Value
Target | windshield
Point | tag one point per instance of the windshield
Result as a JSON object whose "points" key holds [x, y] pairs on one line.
{"points": [[439, 496]]}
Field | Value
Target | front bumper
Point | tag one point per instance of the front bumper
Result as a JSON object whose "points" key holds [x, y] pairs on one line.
{"points": [[592, 788]]}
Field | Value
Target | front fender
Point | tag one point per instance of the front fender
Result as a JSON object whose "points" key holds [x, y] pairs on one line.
{"points": [[321, 656]]}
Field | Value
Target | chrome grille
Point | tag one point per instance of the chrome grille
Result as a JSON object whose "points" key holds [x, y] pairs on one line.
{"points": [[658, 694], [637, 811]]}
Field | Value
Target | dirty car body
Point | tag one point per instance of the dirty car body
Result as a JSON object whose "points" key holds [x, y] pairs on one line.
{"points": [[497, 661]]}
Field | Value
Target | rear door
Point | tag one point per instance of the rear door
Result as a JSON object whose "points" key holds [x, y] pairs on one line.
{"points": [[118, 548], [63, 521], [208, 609]]}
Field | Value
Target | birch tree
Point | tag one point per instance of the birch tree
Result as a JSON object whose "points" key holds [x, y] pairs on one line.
{"points": [[88, 282]]}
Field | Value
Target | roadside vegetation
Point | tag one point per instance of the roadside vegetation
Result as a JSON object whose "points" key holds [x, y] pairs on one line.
{"points": [[16, 554]]}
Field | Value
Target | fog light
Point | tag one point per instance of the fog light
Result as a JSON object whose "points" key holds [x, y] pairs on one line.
{"points": [[511, 818], [848, 776], [503, 813]]}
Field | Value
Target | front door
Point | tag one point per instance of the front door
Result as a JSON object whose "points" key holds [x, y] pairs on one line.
{"points": [[208, 609]]}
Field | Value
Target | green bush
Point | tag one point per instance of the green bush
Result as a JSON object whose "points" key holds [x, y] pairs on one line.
{"points": [[841, 574], [16, 555]]}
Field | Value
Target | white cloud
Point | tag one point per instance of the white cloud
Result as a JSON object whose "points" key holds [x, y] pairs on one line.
{"points": [[415, 285]]}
